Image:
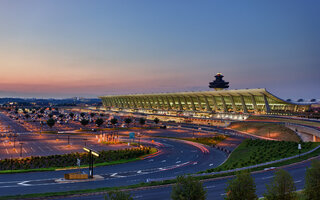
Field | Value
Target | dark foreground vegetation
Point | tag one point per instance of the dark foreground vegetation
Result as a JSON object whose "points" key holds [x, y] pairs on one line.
{"points": [[68, 160]]}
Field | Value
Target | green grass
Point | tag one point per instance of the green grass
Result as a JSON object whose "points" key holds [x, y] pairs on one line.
{"points": [[202, 140], [207, 140], [252, 152], [271, 130], [297, 121]]}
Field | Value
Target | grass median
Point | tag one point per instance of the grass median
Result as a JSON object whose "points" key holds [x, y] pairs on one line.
{"points": [[251, 152]]}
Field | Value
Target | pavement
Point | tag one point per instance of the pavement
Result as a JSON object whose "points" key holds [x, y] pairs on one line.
{"points": [[176, 158], [216, 189]]}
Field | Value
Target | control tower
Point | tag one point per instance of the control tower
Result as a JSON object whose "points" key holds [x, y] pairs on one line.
{"points": [[219, 84]]}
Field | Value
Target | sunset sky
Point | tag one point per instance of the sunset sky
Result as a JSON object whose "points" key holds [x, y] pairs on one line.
{"points": [[89, 48]]}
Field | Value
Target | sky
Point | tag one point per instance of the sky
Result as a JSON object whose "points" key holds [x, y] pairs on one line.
{"points": [[58, 48]]}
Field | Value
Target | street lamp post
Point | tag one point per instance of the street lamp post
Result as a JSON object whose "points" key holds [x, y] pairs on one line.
{"points": [[21, 148], [91, 154]]}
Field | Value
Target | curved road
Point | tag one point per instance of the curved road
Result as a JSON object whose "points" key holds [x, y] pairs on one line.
{"points": [[215, 188], [175, 158]]}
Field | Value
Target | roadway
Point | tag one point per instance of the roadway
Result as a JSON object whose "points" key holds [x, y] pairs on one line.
{"points": [[216, 189], [175, 158]]}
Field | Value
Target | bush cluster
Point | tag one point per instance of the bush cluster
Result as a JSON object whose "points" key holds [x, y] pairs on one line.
{"points": [[66, 160]]}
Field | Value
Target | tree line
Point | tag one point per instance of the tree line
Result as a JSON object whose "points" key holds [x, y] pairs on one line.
{"points": [[243, 187]]}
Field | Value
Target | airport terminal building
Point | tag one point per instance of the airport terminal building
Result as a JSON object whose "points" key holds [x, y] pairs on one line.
{"points": [[204, 103]]}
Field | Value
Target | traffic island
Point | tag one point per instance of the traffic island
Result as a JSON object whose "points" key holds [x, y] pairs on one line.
{"points": [[78, 177]]}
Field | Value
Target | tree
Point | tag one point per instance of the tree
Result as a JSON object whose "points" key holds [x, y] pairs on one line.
{"points": [[41, 111], [26, 116], [82, 114], [241, 188], [99, 122], [281, 188], [114, 121], [127, 121], [51, 122], [312, 186], [61, 116], [188, 188], [84, 122], [39, 116], [142, 121], [92, 114], [50, 115], [71, 115], [118, 195], [156, 120], [101, 114]]}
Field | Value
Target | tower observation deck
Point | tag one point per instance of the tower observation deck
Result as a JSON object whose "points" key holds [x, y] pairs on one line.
{"points": [[219, 84]]}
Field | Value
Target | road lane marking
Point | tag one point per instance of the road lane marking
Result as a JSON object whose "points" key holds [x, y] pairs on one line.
{"points": [[267, 177], [298, 181], [40, 148], [178, 162], [211, 186], [24, 150], [7, 151], [164, 161], [211, 164]]}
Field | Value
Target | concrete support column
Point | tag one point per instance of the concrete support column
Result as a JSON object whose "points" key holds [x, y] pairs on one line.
{"points": [[158, 102], [133, 102], [130, 105], [168, 101], [151, 102], [147, 102], [207, 104], [165, 105], [214, 103], [314, 138], [140, 101], [112, 102], [234, 107], [199, 103], [255, 107], [174, 105], [224, 106], [243, 103], [192, 104], [120, 102], [266, 103], [186, 103], [179, 102]]}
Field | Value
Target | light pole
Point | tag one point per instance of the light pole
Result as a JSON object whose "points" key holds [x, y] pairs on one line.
{"points": [[91, 154], [21, 149]]}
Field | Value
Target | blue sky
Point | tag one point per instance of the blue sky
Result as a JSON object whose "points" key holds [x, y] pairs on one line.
{"points": [[90, 48]]}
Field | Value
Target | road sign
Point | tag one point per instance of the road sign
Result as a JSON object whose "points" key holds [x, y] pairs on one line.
{"points": [[131, 135], [299, 146], [78, 162]]}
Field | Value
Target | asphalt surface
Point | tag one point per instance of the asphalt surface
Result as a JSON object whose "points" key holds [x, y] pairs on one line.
{"points": [[175, 158], [216, 189]]}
